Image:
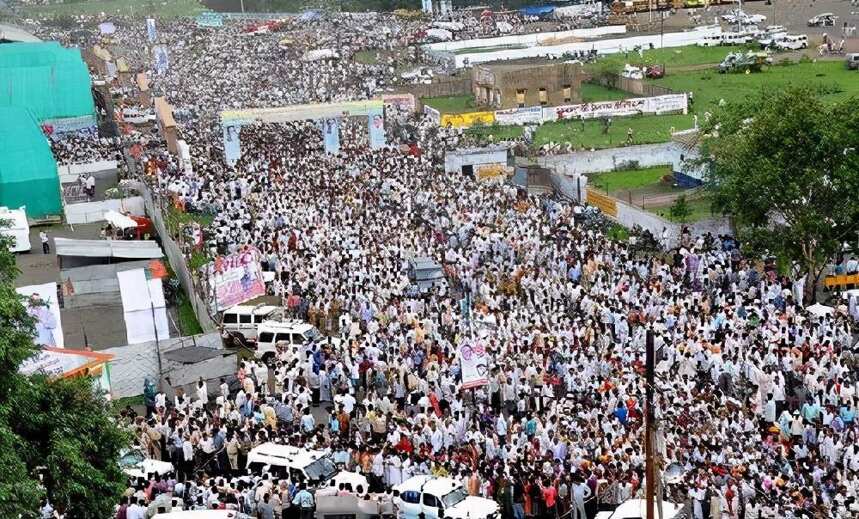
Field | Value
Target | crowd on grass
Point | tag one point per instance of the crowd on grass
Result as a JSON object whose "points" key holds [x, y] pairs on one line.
{"points": [[756, 397]]}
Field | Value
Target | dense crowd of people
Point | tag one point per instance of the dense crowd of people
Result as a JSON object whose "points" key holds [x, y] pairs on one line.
{"points": [[756, 397]]}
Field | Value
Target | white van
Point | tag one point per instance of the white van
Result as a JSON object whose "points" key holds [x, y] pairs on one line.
{"points": [[302, 465], [239, 323], [738, 38], [793, 42], [430, 497], [712, 40], [295, 334], [18, 228]]}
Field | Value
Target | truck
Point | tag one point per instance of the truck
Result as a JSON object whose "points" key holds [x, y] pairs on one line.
{"points": [[430, 497]]}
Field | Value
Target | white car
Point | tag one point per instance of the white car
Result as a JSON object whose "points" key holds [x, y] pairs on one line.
{"points": [[294, 334], [823, 20], [239, 323], [135, 464], [792, 42], [753, 19], [312, 467], [637, 509], [430, 497]]}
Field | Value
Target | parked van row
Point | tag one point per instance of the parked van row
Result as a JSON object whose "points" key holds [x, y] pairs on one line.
{"points": [[774, 37]]}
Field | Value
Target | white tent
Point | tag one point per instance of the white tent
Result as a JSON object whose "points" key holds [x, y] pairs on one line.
{"points": [[119, 220], [820, 310]]}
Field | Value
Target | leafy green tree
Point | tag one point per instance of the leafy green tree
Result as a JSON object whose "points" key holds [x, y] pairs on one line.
{"points": [[785, 166], [58, 439], [680, 210]]}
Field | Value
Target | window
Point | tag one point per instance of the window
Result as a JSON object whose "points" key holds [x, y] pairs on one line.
{"points": [[259, 318], [544, 97], [411, 496], [297, 338], [430, 500], [231, 318], [266, 337], [245, 319], [520, 97], [568, 93], [281, 337]]}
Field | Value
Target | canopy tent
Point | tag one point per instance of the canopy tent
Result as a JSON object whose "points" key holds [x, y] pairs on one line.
{"points": [[50, 80], [819, 310], [28, 171]]}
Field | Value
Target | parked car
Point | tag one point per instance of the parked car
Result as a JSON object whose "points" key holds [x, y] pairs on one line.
{"points": [[429, 497], [823, 20], [239, 323], [637, 509], [792, 42], [301, 465], [853, 61], [294, 333], [135, 464]]}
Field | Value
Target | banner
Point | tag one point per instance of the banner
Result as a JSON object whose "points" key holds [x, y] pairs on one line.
{"points": [[150, 30], [668, 103], [232, 143], [433, 114], [331, 135], [473, 364], [490, 171], [236, 278], [467, 120], [306, 112], [210, 20], [44, 307], [402, 101], [531, 114], [57, 127], [376, 128], [604, 203], [162, 61]]}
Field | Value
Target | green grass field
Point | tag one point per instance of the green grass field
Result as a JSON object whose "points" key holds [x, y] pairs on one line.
{"points": [[645, 130], [451, 104], [830, 78], [670, 57], [159, 8], [592, 92], [613, 181], [700, 210]]}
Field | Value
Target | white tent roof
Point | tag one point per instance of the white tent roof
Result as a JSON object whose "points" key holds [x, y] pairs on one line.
{"points": [[119, 220], [133, 249], [819, 309]]}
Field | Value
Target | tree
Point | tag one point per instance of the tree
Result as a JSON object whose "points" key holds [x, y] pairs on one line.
{"points": [[680, 210], [57, 436], [785, 166]]}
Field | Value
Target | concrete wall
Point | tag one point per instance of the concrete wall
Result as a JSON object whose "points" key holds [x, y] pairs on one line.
{"points": [[91, 167], [454, 160], [89, 212], [607, 46], [132, 364], [600, 161], [545, 38]]}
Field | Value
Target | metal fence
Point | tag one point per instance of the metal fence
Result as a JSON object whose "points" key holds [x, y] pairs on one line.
{"points": [[635, 87], [177, 253]]}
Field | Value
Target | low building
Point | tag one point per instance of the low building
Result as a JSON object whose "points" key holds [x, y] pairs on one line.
{"points": [[505, 85], [480, 163]]}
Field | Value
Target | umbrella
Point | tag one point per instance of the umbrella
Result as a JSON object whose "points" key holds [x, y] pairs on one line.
{"points": [[819, 310]]}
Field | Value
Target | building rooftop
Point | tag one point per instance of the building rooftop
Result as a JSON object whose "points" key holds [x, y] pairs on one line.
{"points": [[11, 33]]}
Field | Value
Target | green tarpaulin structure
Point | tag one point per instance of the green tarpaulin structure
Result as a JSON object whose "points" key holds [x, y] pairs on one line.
{"points": [[48, 79], [28, 172]]}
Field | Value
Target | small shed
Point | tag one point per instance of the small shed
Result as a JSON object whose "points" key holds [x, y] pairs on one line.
{"points": [[469, 161]]}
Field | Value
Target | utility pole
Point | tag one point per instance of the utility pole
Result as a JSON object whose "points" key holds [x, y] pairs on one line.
{"points": [[650, 462]]}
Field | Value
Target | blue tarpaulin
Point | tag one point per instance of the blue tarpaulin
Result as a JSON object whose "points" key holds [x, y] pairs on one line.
{"points": [[537, 10]]}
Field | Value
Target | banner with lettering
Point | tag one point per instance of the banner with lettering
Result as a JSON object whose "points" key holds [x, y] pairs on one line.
{"points": [[531, 114], [236, 278]]}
